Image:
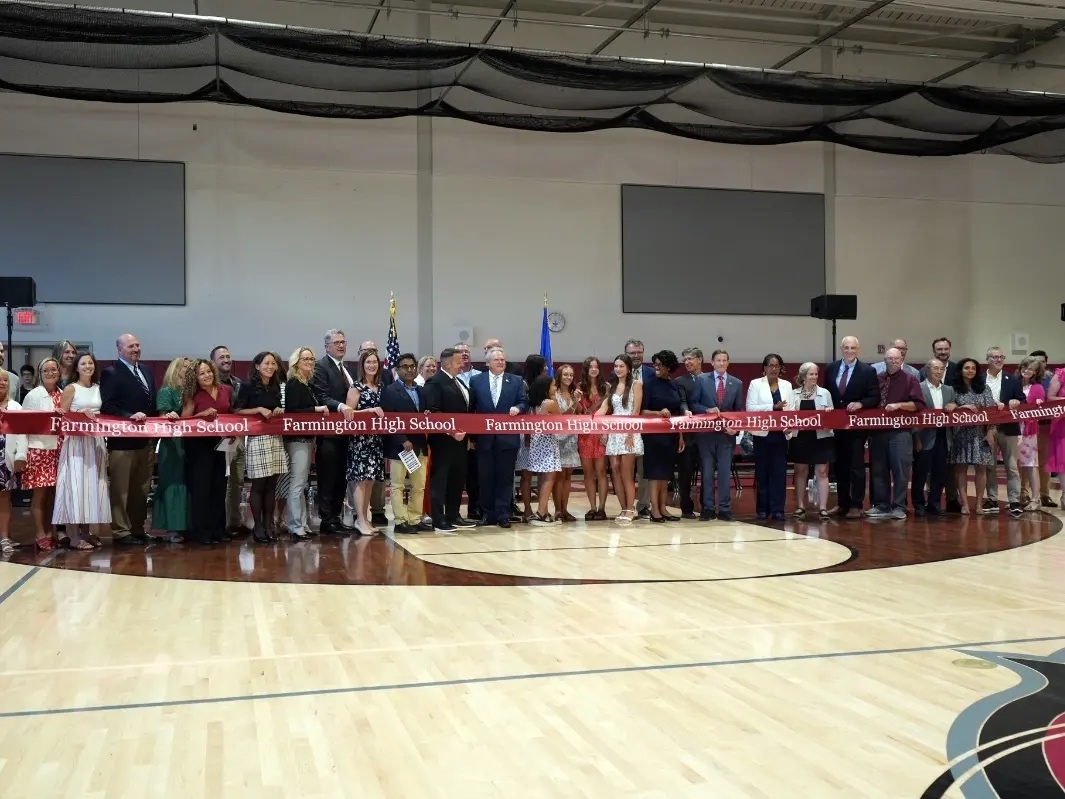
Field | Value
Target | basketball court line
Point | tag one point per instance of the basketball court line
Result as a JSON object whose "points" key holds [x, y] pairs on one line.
{"points": [[507, 678], [598, 546], [21, 581]]}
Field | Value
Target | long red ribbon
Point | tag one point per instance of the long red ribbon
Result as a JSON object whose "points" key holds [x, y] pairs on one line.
{"points": [[308, 424]]}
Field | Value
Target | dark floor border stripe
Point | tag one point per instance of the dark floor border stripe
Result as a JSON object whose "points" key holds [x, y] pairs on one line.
{"points": [[21, 581], [363, 689], [607, 546]]}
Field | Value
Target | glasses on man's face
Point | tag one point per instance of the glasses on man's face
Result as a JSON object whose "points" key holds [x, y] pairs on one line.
{"points": [[407, 366], [996, 357]]}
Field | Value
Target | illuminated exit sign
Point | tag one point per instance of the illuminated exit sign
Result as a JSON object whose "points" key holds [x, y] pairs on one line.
{"points": [[28, 319]]}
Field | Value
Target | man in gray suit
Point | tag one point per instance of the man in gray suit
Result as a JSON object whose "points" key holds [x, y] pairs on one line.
{"points": [[716, 392], [932, 444]]}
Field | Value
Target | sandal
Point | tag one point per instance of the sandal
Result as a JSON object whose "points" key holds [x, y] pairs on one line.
{"points": [[64, 542], [7, 546], [94, 541], [46, 544], [824, 515], [590, 516], [800, 513], [81, 546]]}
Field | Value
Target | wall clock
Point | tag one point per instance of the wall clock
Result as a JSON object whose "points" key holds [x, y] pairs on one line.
{"points": [[555, 321]]}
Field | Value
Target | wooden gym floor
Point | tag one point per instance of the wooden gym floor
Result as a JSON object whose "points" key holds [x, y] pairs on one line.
{"points": [[711, 660]]}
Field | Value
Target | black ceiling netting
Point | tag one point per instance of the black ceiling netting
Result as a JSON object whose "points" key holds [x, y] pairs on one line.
{"points": [[137, 57]]}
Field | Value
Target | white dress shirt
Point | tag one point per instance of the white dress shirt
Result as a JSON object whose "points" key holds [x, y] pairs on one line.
{"points": [[936, 393]]}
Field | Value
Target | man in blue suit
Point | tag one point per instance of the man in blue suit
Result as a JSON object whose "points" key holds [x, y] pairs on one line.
{"points": [[716, 392], [497, 391]]}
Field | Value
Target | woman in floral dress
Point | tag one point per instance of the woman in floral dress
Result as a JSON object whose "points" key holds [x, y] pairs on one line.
{"points": [[366, 453], [971, 446], [42, 454]]}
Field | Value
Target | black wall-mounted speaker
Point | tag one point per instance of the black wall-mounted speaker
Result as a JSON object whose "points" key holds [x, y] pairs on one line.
{"points": [[18, 292], [834, 306]]}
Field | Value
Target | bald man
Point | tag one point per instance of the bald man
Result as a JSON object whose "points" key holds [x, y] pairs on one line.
{"points": [[128, 390], [854, 386]]}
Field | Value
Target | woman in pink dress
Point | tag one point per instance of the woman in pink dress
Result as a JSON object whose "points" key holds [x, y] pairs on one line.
{"points": [[1031, 372], [1056, 450]]}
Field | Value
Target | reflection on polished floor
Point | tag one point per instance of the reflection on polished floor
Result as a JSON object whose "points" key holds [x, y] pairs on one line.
{"points": [[799, 659]]}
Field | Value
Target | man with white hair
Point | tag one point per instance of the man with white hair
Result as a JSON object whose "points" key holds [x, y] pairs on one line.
{"points": [[1007, 392], [891, 451], [854, 387], [497, 392], [932, 444]]}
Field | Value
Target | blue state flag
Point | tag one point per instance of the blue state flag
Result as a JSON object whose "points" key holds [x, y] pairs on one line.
{"points": [[545, 342]]}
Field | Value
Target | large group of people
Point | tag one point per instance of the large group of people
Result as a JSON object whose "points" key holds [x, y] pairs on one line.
{"points": [[84, 487]]}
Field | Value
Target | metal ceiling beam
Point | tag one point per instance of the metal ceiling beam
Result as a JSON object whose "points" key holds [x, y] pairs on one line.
{"points": [[626, 25], [484, 40], [1029, 40], [376, 14], [495, 25], [824, 37]]}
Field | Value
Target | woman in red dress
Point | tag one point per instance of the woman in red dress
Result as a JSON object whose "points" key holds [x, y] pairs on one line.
{"points": [[592, 448], [42, 454]]}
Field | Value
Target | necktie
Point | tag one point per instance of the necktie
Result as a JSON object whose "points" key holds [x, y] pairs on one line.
{"points": [[495, 390], [843, 379], [140, 376], [720, 390]]}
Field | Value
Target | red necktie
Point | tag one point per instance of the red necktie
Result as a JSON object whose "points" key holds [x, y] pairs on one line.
{"points": [[843, 380], [720, 390]]}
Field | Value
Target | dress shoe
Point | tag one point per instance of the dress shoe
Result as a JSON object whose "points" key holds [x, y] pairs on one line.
{"points": [[505, 524], [486, 523], [378, 520]]}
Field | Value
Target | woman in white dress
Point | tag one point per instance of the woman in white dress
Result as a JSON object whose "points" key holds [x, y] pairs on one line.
{"points": [[625, 399], [81, 495]]}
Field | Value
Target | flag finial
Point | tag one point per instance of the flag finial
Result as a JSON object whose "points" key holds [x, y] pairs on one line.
{"points": [[545, 299]]}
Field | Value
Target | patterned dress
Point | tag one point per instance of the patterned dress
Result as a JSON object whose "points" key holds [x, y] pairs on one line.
{"points": [[9, 480], [264, 456], [366, 454], [969, 445], [567, 445], [81, 494], [42, 465], [544, 453], [617, 443], [1028, 450]]}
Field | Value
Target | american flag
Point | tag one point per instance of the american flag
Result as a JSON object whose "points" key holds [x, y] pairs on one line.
{"points": [[392, 347]]}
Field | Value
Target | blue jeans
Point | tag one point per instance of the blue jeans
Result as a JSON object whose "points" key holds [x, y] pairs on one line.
{"points": [[299, 469], [715, 458]]}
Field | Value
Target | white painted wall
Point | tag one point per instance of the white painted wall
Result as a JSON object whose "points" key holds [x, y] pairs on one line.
{"points": [[298, 224]]}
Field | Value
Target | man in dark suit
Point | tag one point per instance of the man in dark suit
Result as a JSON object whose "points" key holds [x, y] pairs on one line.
{"points": [[405, 396], [688, 461], [444, 393], [1007, 392], [717, 392], [128, 390], [941, 350], [331, 381], [854, 386], [495, 392]]}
